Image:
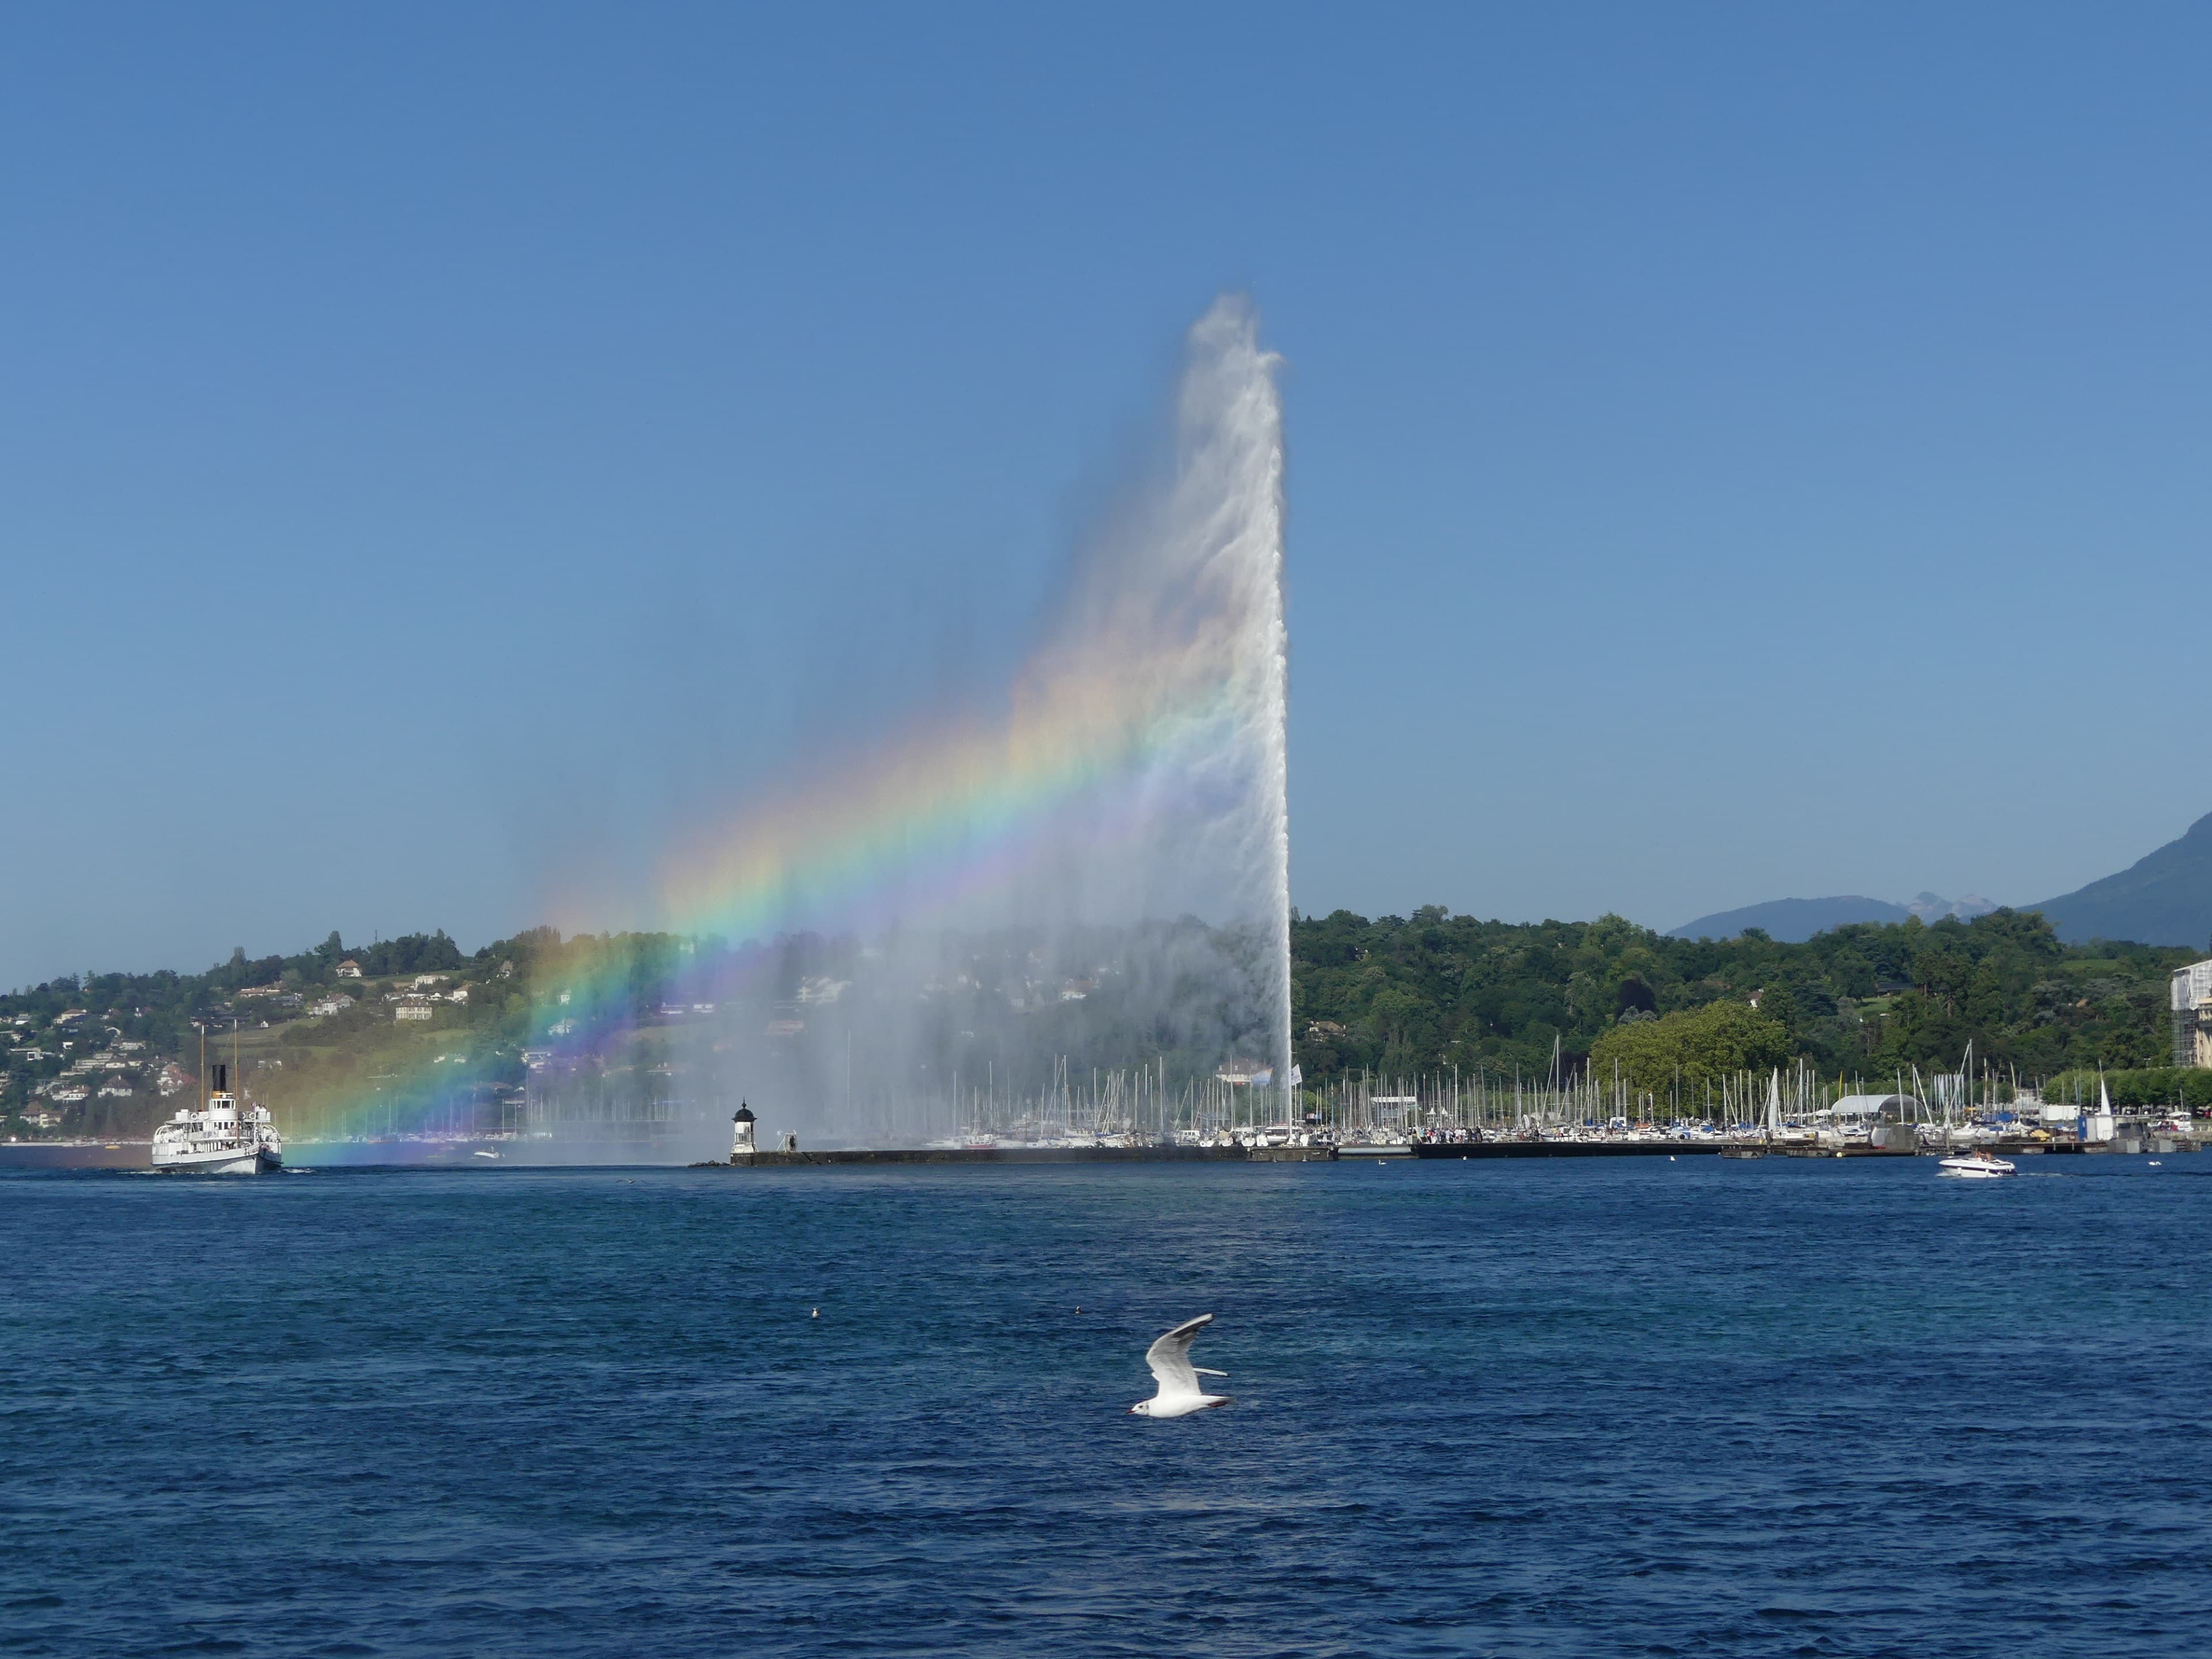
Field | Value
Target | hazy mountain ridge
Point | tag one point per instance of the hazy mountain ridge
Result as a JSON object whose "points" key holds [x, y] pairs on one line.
{"points": [[1794, 921], [2163, 897]]}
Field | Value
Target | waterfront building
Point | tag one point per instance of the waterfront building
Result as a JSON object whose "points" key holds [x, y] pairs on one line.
{"points": [[2192, 1001]]}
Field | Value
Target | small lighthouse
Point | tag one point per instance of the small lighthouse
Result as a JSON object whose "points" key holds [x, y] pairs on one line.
{"points": [[741, 1132]]}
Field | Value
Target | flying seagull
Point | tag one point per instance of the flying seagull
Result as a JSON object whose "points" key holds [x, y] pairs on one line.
{"points": [[1170, 1358]]}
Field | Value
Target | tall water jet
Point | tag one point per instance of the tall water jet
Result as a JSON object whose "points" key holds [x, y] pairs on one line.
{"points": [[1136, 768], [1230, 491]]}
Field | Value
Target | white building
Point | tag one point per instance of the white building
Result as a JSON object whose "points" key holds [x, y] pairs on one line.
{"points": [[2191, 1000]]}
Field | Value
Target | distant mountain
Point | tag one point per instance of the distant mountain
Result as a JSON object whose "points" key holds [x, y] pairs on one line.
{"points": [[2163, 899], [1934, 906], [1795, 920], [1792, 920]]}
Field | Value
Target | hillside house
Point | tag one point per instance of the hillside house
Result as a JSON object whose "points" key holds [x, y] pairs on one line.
{"points": [[349, 969]]}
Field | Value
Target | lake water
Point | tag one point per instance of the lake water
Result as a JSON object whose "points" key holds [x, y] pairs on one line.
{"points": [[1519, 1409]]}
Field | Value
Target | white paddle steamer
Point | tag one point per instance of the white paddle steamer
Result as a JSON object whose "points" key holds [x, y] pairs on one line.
{"points": [[224, 1135]]}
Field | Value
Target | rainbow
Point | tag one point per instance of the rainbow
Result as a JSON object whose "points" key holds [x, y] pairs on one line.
{"points": [[939, 817], [1138, 710]]}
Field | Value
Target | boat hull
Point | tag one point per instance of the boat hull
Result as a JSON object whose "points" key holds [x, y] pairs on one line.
{"points": [[228, 1162], [1975, 1169]]}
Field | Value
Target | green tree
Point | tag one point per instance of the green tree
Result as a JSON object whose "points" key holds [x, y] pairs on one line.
{"points": [[1698, 1046], [1779, 1004]]}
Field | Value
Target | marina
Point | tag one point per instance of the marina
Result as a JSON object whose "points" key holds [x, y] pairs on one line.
{"points": [[1122, 1120], [1325, 1152]]}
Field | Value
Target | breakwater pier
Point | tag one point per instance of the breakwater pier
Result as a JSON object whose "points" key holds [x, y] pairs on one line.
{"points": [[1462, 1150], [787, 1160], [1233, 1154]]}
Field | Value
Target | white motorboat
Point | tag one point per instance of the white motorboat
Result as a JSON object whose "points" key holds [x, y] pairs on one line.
{"points": [[225, 1135], [1976, 1166]]}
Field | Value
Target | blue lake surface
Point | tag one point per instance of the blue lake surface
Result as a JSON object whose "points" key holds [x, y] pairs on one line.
{"points": [[1622, 1405]]}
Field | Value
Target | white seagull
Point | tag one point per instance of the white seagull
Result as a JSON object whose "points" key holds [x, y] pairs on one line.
{"points": [[1170, 1358]]}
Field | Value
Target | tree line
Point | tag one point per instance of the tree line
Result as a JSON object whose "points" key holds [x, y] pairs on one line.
{"points": [[1411, 995]]}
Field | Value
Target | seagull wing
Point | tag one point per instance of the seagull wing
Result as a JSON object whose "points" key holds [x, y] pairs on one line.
{"points": [[1170, 1357]]}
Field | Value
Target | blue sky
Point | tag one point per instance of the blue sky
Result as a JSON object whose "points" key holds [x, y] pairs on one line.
{"points": [[1735, 451]]}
